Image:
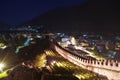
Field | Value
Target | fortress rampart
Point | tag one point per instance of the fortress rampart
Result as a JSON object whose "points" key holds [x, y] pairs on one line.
{"points": [[108, 68]]}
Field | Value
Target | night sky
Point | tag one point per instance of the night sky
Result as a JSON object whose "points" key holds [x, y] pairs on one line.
{"points": [[17, 11]]}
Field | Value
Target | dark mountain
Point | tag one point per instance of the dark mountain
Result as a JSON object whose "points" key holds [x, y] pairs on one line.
{"points": [[94, 15], [4, 26]]}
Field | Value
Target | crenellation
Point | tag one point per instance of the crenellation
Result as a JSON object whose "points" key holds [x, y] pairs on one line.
{"points": [[88, 61], [98, 62], [74, 56], [116, 65], [116, 61], [91, 62], [78, 58], [85, 61], [95, 62], [111, 64], [102, 63], [81, 60], [106, 63]]}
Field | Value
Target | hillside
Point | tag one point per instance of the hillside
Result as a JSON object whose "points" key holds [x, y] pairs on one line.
{"points": [[4, 26], [102, 15]]}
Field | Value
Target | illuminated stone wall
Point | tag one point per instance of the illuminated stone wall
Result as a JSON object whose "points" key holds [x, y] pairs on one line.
{"points": [[108, 68]]}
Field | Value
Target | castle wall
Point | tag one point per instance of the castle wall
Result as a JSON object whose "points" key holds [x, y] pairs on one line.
{"points": [[108, 68]]}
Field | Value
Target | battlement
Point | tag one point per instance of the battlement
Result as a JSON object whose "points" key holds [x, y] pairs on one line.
{"points": [[107, 64]]}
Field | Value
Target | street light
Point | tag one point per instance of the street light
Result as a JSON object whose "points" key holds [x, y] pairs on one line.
{"points": [[1, 67], [53, 62]]}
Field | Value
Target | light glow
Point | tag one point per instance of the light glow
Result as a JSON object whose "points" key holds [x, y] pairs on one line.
{"points": [[1, 66]]}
